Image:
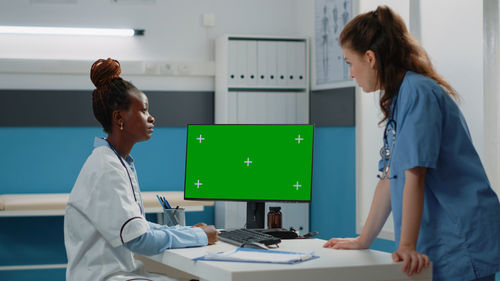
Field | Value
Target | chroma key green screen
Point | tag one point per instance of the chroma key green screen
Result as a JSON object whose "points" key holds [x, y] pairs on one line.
{"points": [[249, 162]]}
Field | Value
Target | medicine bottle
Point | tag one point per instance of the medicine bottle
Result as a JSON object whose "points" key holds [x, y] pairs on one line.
{"points": [[274, 217]]}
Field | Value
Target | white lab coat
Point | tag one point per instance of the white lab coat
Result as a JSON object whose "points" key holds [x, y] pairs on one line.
{"points": [[102, 214]]}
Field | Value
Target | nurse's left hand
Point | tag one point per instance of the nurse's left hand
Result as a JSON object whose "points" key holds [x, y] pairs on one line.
{"points": [[413, 261]]}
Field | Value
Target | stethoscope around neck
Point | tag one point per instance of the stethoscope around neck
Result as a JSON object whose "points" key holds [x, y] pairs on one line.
{"points": [[385, 152], [129, 177]]}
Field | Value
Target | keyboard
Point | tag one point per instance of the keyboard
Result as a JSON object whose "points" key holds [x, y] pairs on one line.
{"points": [[240, 237]]}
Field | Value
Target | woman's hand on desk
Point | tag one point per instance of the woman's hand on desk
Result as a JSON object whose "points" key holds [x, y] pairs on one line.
{"points": [[413, 261], [210, 231], [345, 243]]}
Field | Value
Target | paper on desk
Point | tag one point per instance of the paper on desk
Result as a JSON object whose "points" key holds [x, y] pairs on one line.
{"points": [[258, 255]]}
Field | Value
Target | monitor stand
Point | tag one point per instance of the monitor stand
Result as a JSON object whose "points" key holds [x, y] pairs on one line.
{"points": [[255, 214]]}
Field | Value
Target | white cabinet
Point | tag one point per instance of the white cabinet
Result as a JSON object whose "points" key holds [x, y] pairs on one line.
{"points": [[253, 71], [262, 80]]}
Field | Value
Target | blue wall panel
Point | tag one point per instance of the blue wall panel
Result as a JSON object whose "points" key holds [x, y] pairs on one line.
{"points": [[48, 160], [43, 160], [334, 195], [333, 207]]}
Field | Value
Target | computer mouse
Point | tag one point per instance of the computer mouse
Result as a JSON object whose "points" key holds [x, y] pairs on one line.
{"points": [[254, 245]]}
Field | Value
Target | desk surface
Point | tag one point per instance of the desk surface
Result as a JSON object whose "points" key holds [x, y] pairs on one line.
{"points": [[332, 264]]}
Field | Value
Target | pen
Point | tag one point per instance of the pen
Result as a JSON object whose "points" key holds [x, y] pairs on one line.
{"points": [[176, 222], [173, 215], [166, 203], [161, 202]]}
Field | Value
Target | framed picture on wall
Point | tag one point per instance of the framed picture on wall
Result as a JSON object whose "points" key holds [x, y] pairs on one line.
{"points": [[329, 70]]}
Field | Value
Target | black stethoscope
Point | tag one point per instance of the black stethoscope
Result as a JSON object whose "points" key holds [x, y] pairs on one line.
{"points": [[128, 174], [385, 152]]}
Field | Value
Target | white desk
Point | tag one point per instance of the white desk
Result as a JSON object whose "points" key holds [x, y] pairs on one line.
{"points": [[345, 265]]}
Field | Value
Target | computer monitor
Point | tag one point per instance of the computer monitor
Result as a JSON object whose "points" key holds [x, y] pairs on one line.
{"points": [[252, 163]]}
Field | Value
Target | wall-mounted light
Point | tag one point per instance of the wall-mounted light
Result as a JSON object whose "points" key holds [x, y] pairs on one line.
{"points": [[71, 31]]}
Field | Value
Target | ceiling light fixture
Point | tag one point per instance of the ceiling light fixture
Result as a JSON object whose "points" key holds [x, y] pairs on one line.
{"points": [[71, 31]]}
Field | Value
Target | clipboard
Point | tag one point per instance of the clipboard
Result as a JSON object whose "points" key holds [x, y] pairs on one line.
{"points": [[258, 256]]}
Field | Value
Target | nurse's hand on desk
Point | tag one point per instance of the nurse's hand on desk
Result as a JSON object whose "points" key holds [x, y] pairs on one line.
{"points": [[413, 261], [345, 243], [210, 231]]}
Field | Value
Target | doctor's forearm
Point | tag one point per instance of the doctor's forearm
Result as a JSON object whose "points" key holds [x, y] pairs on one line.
{"points": [[379, 211], [413, 202], [158, 239]]}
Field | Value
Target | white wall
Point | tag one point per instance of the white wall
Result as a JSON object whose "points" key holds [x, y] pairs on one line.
{"points": [[491, 68], [452, 34], [174, 32]]}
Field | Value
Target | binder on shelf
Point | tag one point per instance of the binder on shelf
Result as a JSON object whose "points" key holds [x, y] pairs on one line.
{"points": [[290, 101], [251, 63], [262, 75], [277, 103], [232, 63], [302, 114], [301, 63], [291, 67], [241, 62], [282, 63], [242, 113], [249, 107], [232, 105], [252, 108], [259, 102], [271, 62]]}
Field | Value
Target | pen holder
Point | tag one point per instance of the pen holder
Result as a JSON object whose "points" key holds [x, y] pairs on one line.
{"points": [[173, 217]]}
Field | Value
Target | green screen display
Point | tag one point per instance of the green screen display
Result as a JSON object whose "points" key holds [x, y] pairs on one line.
{"points": [[249, 162]]}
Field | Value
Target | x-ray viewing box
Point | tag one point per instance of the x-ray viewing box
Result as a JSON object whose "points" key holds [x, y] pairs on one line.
{"points": [[53, 204]]}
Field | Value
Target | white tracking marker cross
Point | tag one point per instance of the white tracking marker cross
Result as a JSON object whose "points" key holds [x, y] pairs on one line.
{"points": [[298, 139], [297, 185], [248, 162], [200, 138], [198, 183]]}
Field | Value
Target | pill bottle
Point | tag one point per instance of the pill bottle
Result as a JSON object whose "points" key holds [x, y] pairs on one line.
{"points": [[274, 217]]}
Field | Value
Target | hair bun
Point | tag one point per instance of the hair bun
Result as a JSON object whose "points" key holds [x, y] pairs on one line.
{"points": [[103, 71]]}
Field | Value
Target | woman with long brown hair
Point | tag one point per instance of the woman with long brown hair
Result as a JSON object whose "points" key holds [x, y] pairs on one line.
{"points": [[431, 177]]}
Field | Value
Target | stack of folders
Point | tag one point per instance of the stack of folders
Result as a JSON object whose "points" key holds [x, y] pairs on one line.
{"points": [[259, 256]]}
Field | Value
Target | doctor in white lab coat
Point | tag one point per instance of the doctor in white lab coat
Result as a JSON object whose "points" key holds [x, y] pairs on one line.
{"points": [[104, 223]]}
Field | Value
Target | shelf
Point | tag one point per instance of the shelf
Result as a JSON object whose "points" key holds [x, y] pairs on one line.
{"points": [[266, 88]]}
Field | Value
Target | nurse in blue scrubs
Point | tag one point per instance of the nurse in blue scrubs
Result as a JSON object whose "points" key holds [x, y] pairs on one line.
{"points": [[431, 177]]}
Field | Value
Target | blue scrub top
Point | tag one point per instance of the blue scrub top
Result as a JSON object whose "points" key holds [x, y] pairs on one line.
{"points": [[460, 228]]}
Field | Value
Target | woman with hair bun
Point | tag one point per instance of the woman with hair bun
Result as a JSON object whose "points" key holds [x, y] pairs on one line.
{"points": [[431, 177], [104, 222]]}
